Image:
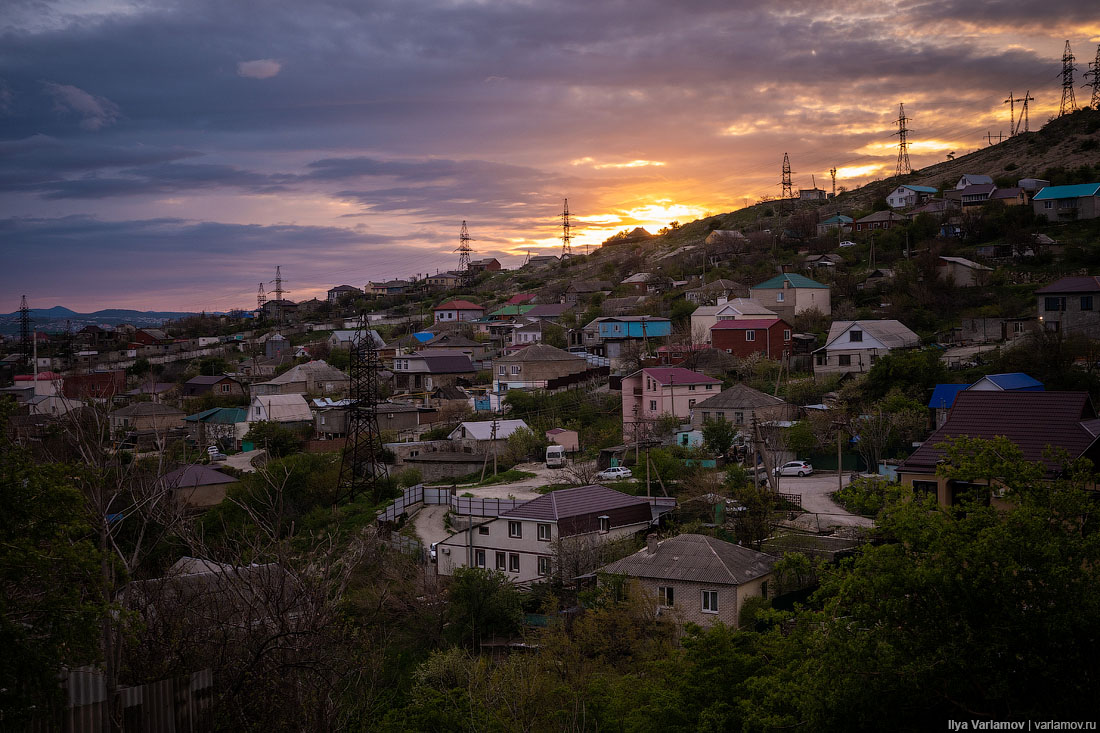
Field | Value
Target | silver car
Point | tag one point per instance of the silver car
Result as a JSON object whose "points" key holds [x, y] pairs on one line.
{"points": [[615, 473], [795, 468]]}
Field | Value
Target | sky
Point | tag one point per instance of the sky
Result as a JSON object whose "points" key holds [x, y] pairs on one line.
{"points": [[168, 154]]}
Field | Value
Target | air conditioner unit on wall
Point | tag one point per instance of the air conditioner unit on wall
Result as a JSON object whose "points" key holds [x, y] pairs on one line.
{"points": [[446, 550]]}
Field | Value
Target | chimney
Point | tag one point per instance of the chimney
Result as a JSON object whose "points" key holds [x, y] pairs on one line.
{"points": [[651, 544]]}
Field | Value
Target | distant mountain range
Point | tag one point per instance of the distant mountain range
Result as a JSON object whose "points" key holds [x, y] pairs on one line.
{"points": [[55, 319]]}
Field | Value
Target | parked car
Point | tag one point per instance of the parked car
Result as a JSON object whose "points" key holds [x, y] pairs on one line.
{"points": [[432, 551], [847, 243], [615, 473], [794, 468], [215, 454]]}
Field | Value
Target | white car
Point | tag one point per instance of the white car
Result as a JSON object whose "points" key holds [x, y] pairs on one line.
{"points": [[795, 468], [847, 243], [615, 473], [432, 551]]}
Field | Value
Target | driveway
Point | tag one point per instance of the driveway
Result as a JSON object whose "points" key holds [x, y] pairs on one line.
{"points": [[243, 461], [815, 492]]}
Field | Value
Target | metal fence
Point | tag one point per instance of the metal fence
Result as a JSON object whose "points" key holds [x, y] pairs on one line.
{"points": [[465, 505]]}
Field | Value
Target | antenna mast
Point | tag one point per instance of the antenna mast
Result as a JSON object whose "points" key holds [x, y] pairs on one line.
{"points": [[1069, 103], [1094, 72], [787, 193], [903, 167], [566, 233]]}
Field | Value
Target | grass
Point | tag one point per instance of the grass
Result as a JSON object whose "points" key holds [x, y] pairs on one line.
{"points": [[474, 479]]}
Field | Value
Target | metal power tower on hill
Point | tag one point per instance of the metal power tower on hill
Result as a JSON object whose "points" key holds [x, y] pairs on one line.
{"points": [[1094, 72], [26, 345], [261, 298], [464, 250], [566, 233], [903, 166], [362, 469], [279, 292], [785, 182], [1069, 103], [1014, 123]]}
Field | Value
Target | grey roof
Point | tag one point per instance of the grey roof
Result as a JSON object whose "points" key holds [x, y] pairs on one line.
{"points": [[695, 558], [962, 261], [639, 277], [445, 362], [147, 408], [720, 285], [202, 379], [573, 502], [739, 396], [317, 370], [484, 430], [881, 216], [540, 352], [744, 306], [590, 286], [893, 334], [194, 475]]}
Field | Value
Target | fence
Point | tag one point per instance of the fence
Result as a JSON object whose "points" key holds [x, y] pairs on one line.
{"points": [[795, 499], [465, 505]]}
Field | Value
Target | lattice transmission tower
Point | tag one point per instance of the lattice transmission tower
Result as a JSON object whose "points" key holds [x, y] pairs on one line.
{"points": [[566, 233], [26, 345], [261, 298], [362, 469], [1069, 103], [903, 167], [279, 293], [464, 250], [1094, 72], [785, 181]]}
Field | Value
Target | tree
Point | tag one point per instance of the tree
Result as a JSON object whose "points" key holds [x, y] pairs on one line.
{"points": [[718, 435], [914, 372], [483, 603], [278, 440]]}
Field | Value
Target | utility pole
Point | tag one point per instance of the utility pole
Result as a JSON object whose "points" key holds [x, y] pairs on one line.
{"points": [[989, 138], [787, 192], [1069, 103], [1094, 72], [1027, 125], [903, 166], [566, 233], [464, 250], [832, 172]]}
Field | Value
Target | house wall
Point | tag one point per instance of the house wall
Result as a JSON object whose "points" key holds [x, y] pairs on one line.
{"points": [[788, 302], [437, 470], [451, 315], [1081, 313], [568, 440], [963, 276], [738, 415], [687, 599], [533, 374], [1085, 207], [654, 400], [769, 342]]}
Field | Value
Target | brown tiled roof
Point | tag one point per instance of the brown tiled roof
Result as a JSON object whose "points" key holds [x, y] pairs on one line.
{"points": [[564, 503], [459, 305], [541, 352], [695, 558], [1031, 420]]}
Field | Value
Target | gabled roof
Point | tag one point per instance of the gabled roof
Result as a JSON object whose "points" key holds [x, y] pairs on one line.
{"points": [[795, 280], [639, 277], [484, 430], [1076, 284], [143, 409], [219, 416], [1068, 192], [892, 334], [881, 216], [676, 375], [973, 178], [745, 324], [441, 362], [565, 503], [205, 380], [838, 219], [739, 396], [1031, 420], [963, 262], [284, 407], [719, 285], [511, 310], [520, 298], [1006, 193], [744, 306], [695, 558], [194, 475], [943, 396], [976, 189], [1013, 381], [547, 310], [316, 370], [458, 305], [918, 189], [541, 352]]}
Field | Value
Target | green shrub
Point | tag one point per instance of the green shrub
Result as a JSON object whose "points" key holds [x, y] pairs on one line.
{"points": [[868, 496]]}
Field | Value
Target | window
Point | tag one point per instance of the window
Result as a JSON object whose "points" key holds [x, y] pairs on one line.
{"points": [[691, 388], [819, 360], [779, 297], [750, 335], [844, 360], [544, 566], [787, 335], [653, 405], [1017, 327], [738, 418], [225, 387], [544, 532], [855, 336], [500, 561], [479, 558], [709, 386], [605, 523], [691, 404], [1086, 305], [515, 530], [515, 368], [501, 370], [1048, 204], [483, 530], [665, 596], [513, 562], [710, 601], [764, 589], [1054, 304], [706, 416]]}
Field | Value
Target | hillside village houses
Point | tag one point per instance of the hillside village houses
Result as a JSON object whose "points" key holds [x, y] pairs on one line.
{"points": [[458, 310], [705, 316], [768, 336], [790, 294], [655, 391], [535, 367], [907, 195], [855, 346]]}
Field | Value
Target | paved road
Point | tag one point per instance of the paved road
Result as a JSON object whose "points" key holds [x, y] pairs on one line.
{"points": [[815, 492], [243, 461]]}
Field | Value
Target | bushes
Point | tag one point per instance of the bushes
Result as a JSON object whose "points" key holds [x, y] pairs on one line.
{"points": [[868, 496]]}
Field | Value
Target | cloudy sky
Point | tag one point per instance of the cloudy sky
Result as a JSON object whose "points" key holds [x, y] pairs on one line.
{"points": [[162, 154]]}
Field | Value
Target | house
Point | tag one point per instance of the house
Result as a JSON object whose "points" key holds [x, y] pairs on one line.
{"points": [[489, 264], [943, 396], [535, 367], [216, 425], [906, 195], [975, 195], [638, 282], [542, 261], [427, 370], [452, 343], [1033, 421], [458, 311], [1032, 186], [196, 486], [219, 384], [970, 179], [1070, 305], [698, 579], [335, 293], [547, 311], [150, 337], [854, 346], [768, 336], [789, 294], [812, 194], [485, 435], [825, 260], [879, 220], [145, 417], [962, 272], [526, 334], [509, 312], [725, 236], [612, 337], [312, 378], [844, 223], [526, 541], [1015, 196], [96, 385], [1058, 203], [446, 280], [290, 410], [716, 292], [567, 439], [279, 309], [739, 405], [705, 316], [343, 339], [877, 278], [389, 287], [655, 391], [582, 291]]}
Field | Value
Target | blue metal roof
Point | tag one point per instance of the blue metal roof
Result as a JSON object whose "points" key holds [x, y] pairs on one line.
{"points": [[1068, 192], [796, 281], [920, 189], [943, 396], [424, 336], [1016, 382]]}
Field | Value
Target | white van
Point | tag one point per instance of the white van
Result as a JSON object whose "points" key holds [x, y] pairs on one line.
{"points": [[555, 456]]}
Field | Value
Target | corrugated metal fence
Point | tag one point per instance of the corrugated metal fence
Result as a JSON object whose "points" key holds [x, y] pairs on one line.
{"points": [[465, 505]]}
